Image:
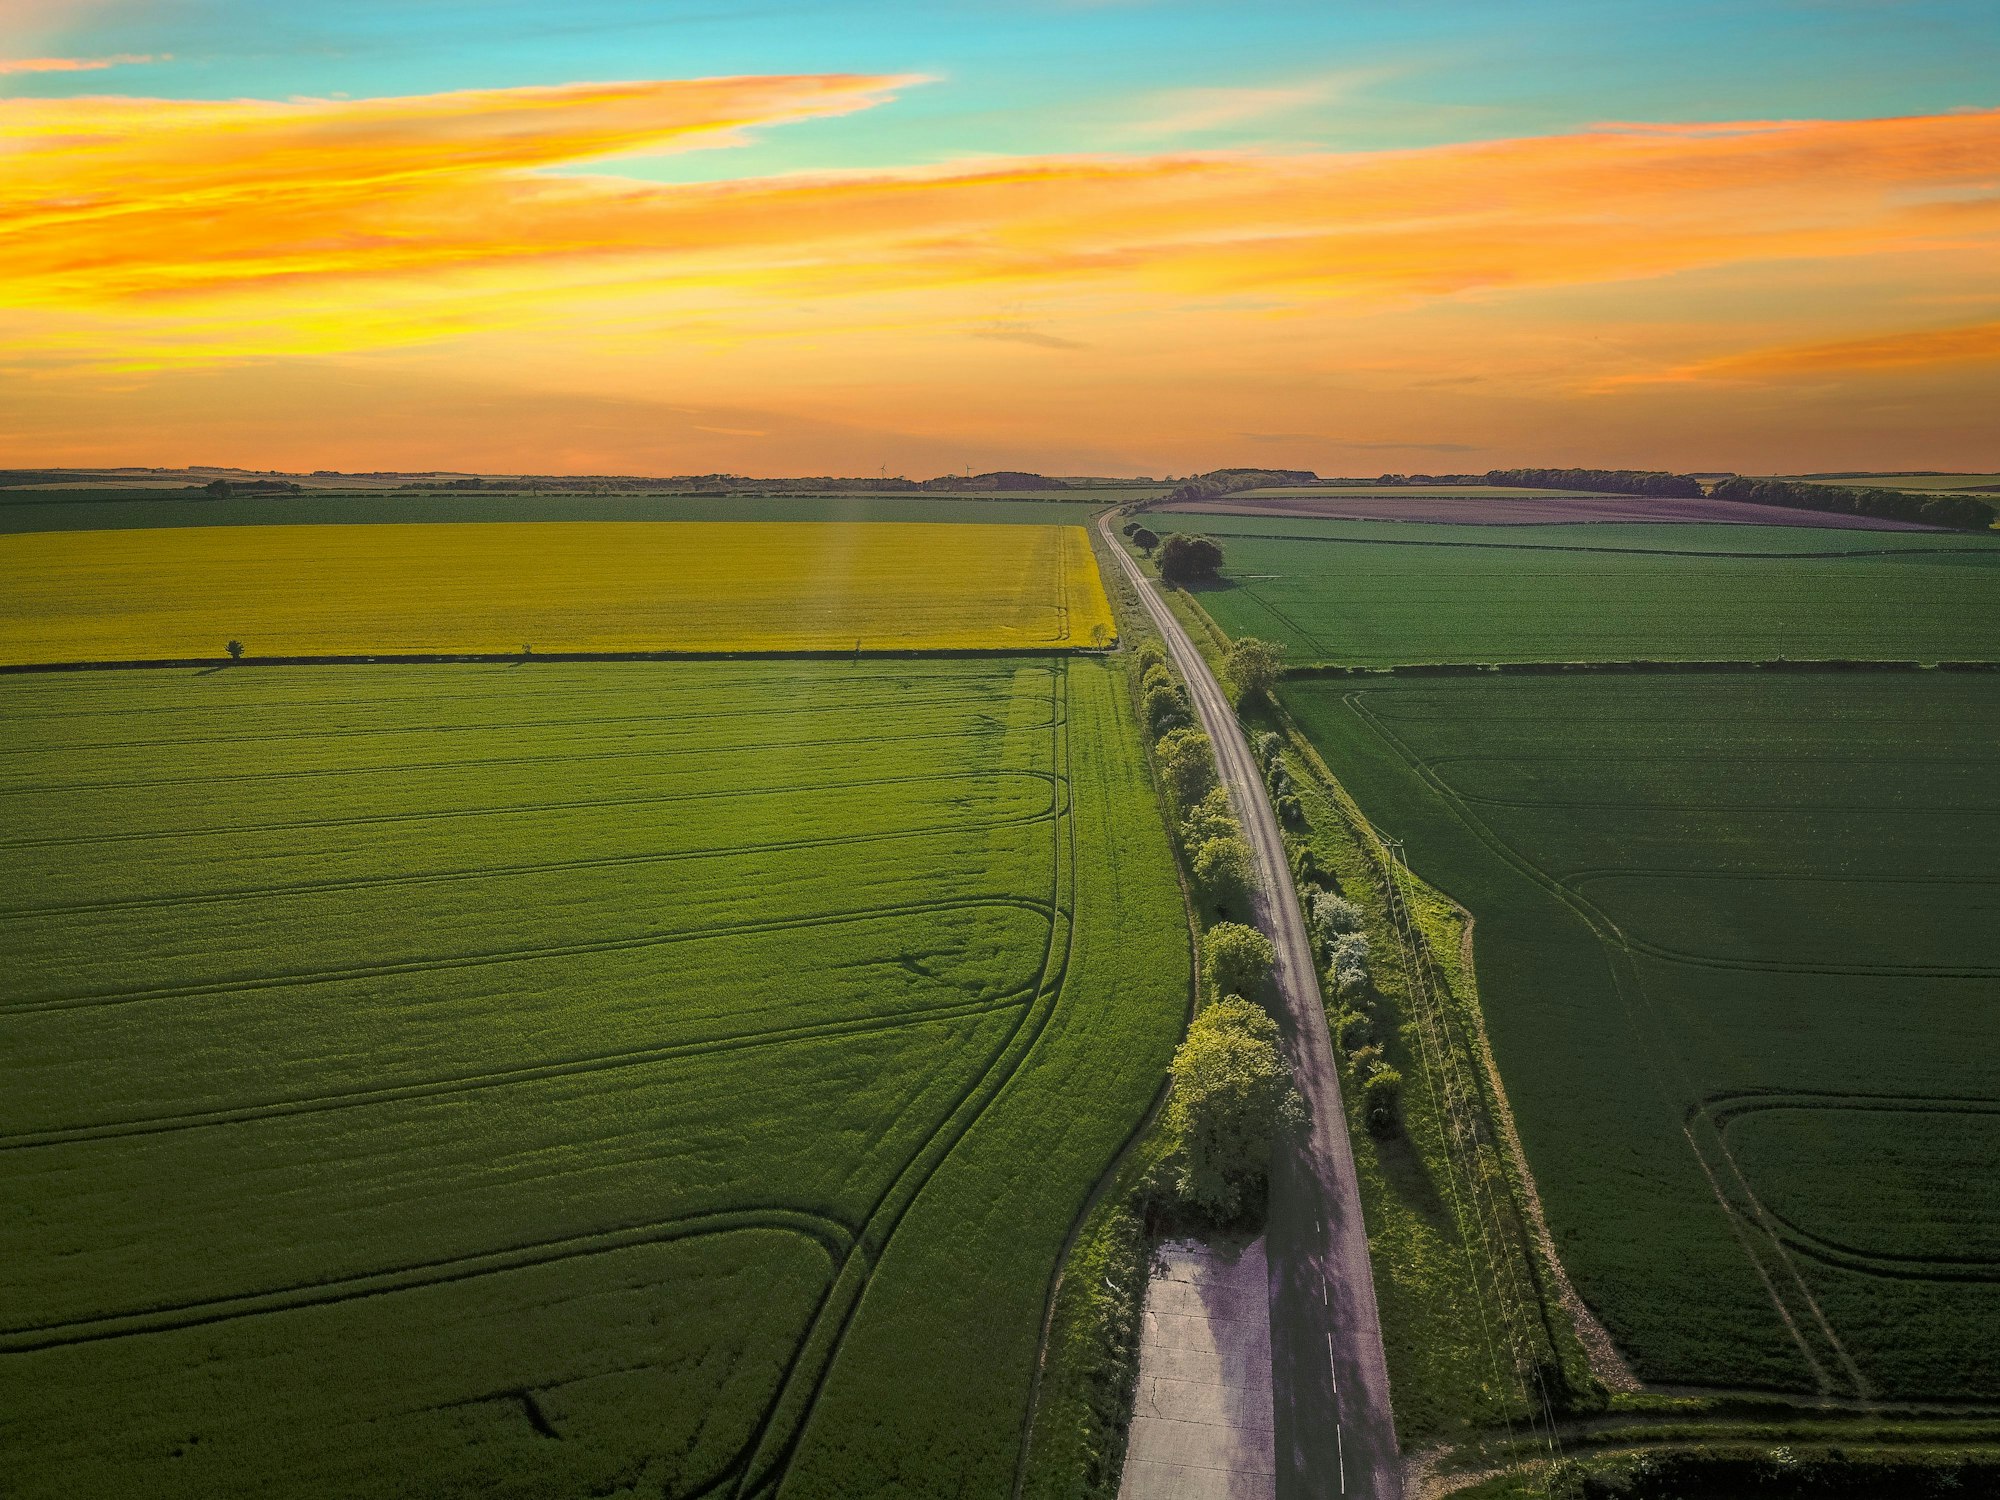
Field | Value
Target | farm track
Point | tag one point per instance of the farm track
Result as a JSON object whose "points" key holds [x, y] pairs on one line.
{"points": [[1762, 1245], [456, 1084], [513, 955], [582, 862], [830, 1233]]}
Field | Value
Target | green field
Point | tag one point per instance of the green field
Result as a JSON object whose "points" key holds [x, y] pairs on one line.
{"points": [[1429, 598], [1702, 538], [118, 510], [1738, 940], [483, 1081]]}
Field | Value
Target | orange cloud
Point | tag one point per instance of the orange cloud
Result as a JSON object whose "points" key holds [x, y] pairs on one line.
{"points": [[1890, 351], [10, 65], [166, 230]]}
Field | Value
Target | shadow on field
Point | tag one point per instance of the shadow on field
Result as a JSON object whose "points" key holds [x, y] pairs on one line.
{"points": [[1410, 1180]]}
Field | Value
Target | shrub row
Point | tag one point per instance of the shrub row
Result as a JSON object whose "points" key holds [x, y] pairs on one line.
{"points": [[1959, 512], [1603, 481]]}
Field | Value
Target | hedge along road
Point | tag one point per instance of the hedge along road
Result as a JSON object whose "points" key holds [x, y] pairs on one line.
{"points": [[1329, 1377]]}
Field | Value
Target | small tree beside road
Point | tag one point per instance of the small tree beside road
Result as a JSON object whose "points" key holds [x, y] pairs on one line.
{"points": [[1186, 558], [1235, 959], [1252, 667]]}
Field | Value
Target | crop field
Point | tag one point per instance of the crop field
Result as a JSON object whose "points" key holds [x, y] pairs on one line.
{"points": [[38, 509], [483, 1080], [1435, 599], [556, 587], [1690, 538], [1503, 507], [1738, 941]]}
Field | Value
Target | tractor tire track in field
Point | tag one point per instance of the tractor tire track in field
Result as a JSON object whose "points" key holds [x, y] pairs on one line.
{"points": [[512, 955], [579, 758], [767, 1457], [1763, 1248], [500, 726], [581, 862], [1720, 1111], [454, 1085], [829, 1233], [968, 689], [514, 809]]}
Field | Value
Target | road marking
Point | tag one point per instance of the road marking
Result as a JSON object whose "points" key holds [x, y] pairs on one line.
{"points": [[1322, 1296], [1330, 1367], [1340, 1446]]}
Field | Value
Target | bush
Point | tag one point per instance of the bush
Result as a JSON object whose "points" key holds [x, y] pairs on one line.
{"points": [[1333, 917], [1231, 1094], [1382, 1101], [1150, 654], [1353, 1029], [1268, 749], [1187, 764], [1185, 557], [1350, 951], [1252, 667], [1222, 867], [1286, 806], [1305, 864], [1210, 818], [1235, 959], [1349, 984], [1156, 676]]}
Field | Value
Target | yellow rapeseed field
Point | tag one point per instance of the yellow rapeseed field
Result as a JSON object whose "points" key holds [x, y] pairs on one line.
{"points": [[553, 586]]}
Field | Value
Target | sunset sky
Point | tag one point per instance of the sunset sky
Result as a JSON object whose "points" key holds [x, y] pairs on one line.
{"points": [[1080, 236]]}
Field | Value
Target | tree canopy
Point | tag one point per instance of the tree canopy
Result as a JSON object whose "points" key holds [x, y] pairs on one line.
{"points": [[1185, 557], [1235, 959], [1253, 666], [1187, 761], [1231, 1094]]}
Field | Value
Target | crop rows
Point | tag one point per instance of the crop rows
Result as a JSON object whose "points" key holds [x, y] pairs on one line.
{"points": [[621, 1071]]}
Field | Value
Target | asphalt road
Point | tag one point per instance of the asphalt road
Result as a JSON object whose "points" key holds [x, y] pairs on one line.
{"points": [[1329, 1377]]}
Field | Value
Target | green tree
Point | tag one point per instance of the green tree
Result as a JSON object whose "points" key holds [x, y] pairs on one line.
{"points": [[1187, 762], [235, 650], [1150, 654], [1231, 1095], [1145, 540], [1210, 818], [1252, 667], [1222, 867], [1186, 558], [1165, 708], [1235, 959]]}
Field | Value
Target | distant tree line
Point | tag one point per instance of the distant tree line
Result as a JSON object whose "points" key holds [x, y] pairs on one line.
{"points": [[1960, 512], [1606, 481]]}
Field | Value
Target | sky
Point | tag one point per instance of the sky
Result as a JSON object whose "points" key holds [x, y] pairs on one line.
{"points": [[1115, 237]]}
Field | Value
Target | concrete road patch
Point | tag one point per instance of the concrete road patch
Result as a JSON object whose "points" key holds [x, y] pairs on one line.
{"points": [[1201, 1418]]}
